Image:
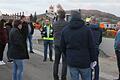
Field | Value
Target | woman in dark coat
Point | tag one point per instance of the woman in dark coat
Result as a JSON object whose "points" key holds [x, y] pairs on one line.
{"points": [[3, 40], [17, 50]]}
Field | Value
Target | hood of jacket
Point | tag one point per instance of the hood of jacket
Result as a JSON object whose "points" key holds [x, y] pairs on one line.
{"points": [[76, 23]]}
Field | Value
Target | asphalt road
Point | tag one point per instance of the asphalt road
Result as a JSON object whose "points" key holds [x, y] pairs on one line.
{"points": [[36, 69]]}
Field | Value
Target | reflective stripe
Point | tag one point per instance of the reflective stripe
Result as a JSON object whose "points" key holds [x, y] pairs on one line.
{"points": [[44, 38]]}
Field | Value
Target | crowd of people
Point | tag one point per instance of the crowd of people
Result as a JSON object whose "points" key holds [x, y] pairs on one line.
{"points": [[75, 41]]}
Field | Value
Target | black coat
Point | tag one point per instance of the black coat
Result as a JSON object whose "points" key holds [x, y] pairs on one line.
{"points": [[78, 44], [17, 49], [32, 28], [24, 30]]}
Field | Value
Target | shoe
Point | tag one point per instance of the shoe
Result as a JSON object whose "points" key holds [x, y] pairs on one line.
{"points": [[56, 78], [63, 78], [31, 52], [10, 61], [51, 60], [44, 60], [2, 62]]}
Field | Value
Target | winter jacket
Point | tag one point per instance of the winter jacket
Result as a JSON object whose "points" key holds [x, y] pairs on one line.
{"points": [[17, 48], [77, 44], [24, 30], [57, 27], [117, 41]]}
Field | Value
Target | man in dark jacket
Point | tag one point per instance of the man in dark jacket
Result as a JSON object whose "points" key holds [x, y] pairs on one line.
{"points": [[97, 34], [24, 31], [78, 46], [30, 33], [58, 26], [47, 35]]}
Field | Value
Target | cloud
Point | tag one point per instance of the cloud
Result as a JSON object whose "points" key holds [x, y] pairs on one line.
{"points": [[95, 1]]}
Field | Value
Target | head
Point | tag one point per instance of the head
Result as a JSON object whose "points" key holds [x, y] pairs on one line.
{"points": [[61, 14], [93, 20], [118, 25], [2, 23], [28, 19], [23, 18], [10, 21], [75, 14], [17, 24], [47, 21]]}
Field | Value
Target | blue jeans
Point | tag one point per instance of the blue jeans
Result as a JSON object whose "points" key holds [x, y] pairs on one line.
{"points": [[17, 70], [76, 72], [48, 43], [30, 42]]}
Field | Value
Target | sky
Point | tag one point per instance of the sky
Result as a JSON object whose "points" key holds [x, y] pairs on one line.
{"points": [[40, 6]]}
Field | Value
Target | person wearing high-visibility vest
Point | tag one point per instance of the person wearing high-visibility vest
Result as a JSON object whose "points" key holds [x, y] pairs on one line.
{"points": [[47, 36]]}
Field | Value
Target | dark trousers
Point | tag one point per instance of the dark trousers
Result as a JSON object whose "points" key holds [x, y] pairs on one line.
{"points": [[118, 60], [2, 47], [58, 54], [48, 43], [96, 70]]}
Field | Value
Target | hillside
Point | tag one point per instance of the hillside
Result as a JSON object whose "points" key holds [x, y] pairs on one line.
{"points": [[100, 16]]}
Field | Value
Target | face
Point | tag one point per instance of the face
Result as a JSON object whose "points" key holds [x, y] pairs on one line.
{"points": [[28, 19], [47, 22], [118, 26], [24, 19]]}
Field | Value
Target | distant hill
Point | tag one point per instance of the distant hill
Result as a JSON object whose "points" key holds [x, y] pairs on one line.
{"points": [[100, 16]]}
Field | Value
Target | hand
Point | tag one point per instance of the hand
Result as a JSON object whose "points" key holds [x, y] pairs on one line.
{"points": [[93, 64]]}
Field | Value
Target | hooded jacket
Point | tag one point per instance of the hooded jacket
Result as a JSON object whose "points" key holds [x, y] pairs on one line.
{"points": [[16, 46], [78, 44]]}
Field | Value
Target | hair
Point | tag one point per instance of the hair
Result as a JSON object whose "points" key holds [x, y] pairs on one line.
{"points": [[10, 21], [17, 23], [61, 14], [2, 21], [22, 17]]}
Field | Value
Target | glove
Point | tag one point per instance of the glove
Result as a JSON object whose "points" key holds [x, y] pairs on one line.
{"points": [[93, 64]]}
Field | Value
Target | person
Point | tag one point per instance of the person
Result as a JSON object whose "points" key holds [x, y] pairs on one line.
{"points": [[97, 34], [8, 26], [3, 40], [24, 31], [58, 26], [78, 46], [30, 33], [117, 48], [17, 50], [47, 35]]}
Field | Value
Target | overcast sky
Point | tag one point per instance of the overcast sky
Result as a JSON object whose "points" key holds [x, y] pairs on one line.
{"points": [[30, 6]]}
